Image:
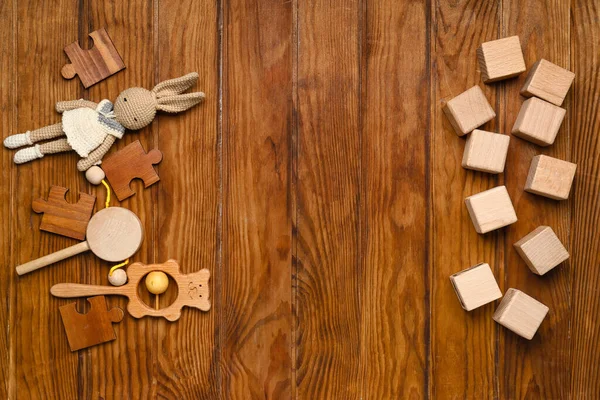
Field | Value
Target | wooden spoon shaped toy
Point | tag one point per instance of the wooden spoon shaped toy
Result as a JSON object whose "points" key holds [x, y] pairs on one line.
{"points": [[192, 290], [113, 234]]}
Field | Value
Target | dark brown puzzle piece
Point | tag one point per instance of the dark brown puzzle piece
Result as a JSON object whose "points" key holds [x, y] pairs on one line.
{"points": [[95, 64], [92, 328], [130, 163], [62, 217]]}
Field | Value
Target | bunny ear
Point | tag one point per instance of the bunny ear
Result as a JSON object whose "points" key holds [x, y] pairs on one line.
{"points": [[175, 86], [180, 102]]}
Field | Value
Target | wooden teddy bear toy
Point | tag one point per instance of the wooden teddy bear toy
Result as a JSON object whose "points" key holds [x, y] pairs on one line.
{"points": [[90, 129]]}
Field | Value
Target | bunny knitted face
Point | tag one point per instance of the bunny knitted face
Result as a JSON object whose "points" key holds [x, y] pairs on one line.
{"points": [[136, 107]]}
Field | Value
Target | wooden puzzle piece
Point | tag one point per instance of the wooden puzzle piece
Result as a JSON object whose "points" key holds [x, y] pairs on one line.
{"points": [[193, 290], [92, 328], [95, 64], [130, 163], [64, 218]]}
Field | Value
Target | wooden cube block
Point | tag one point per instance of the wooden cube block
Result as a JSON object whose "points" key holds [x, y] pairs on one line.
{"points": [[468, 111], [500, 59], [550, 177], [538, 121], [485, 151], [491, 209], [475, 286], [548, 81], [520, 313], [541, 250]]}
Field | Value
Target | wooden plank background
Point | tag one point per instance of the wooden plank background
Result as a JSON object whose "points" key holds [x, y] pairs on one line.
{"points": [[321, 184]]}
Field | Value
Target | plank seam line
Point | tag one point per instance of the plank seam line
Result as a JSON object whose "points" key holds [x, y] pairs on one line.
{"points": [[12, 339]]}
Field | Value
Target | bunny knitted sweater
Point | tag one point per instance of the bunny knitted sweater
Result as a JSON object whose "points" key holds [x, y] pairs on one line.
{"points": [[86, 129]]}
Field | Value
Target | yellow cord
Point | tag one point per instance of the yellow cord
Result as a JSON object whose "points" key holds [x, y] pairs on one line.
{"points": [[107, 203], [124, 263]]}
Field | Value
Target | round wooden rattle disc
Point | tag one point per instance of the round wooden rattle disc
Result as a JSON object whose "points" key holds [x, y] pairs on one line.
{"points": [[113, 234]]}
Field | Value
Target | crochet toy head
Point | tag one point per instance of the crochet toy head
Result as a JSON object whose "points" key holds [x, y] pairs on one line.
{"points": [[136, 107]]}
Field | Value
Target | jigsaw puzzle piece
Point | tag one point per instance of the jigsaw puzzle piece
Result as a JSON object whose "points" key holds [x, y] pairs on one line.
{"points": [[130, 163], [95, 64], [94, 327], [64, 218]]}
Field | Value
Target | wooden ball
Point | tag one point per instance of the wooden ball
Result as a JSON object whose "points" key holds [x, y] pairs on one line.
{"points": [[118, 277], [157, 282], [94, 175]]}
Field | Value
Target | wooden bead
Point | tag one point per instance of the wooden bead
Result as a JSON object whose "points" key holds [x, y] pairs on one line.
{"points": [[157, 282], [94, 175], [118, 277]]}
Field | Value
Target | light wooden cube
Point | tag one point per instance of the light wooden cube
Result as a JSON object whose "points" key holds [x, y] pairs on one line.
{"points": [[475, 286], [485, 151], [520, 313], [548, 81], [491, 209], [550, 177], [500, 59], [542, 250], [468, 111], [538, 121]]}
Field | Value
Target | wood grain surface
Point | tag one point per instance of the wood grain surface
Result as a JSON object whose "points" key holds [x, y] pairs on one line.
{"points": [[463, 345], [321, 185], [523, 370]]}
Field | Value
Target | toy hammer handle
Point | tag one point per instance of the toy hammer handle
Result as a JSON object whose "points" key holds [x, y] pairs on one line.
{"points": [[52, 258], [68, 290]]}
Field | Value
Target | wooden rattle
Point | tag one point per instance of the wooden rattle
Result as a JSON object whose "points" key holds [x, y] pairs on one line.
{"points": [[192, 290], [113, 234]]}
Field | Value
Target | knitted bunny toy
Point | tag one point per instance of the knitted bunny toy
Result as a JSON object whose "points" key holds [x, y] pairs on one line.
{"points": [[90, 129]]}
